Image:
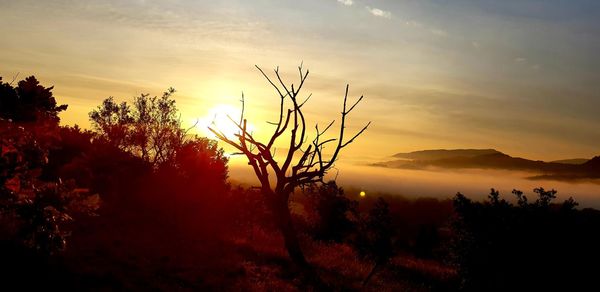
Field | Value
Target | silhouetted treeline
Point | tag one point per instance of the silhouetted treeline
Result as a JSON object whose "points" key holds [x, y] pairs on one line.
{"points": [[526, 246]]}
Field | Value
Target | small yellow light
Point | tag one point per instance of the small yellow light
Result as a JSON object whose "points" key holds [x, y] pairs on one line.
{"points": [[362, 193]]}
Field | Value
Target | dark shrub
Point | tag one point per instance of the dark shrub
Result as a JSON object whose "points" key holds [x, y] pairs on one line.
{"points": [[530, 246], [333, 213]]}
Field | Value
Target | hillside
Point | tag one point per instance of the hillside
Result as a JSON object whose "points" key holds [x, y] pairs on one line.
{"points": [[572, 161], [493, 159], [444, 153]]}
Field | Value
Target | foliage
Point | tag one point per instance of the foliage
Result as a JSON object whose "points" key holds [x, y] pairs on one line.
{"points": [[200, 158], [539, 245], [148, 132], [335, 213], [28, 102], [370, 229], [374, 237], [140, 158], [71, 143], [149, 128], [249, 210], [35, 212]]}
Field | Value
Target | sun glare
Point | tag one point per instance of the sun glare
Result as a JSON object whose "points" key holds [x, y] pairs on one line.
{"points": [[220, 119]]}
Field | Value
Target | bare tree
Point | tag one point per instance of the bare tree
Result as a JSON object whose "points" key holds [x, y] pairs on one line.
{"points": [[302, 164]]}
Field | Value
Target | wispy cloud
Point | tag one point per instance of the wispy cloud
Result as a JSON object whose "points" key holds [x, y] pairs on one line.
{"points": [[438, 32], [525, 62], [380, 13], [346, 2], [418, 25], [414, 24]]}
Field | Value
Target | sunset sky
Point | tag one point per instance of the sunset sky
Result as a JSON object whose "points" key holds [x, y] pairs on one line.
{"points": [[519, 76]]}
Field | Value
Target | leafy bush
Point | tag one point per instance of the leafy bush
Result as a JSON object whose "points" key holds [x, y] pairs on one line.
{"points": [[34, 212]]}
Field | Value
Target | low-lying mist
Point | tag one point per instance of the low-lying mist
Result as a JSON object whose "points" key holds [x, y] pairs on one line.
{"points": [[444, 183]]}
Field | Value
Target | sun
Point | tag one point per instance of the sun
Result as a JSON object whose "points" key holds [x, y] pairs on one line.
{"points": [[219, 118], [363, 194]]}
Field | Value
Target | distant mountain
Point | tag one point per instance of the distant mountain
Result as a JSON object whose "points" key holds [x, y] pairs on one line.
{"points": [[592, 164], [572, 161], [587, 170], [444, 153], [493, 159]]}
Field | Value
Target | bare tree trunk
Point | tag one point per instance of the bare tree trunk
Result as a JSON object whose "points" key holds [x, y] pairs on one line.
{"points": [[282, 214]]}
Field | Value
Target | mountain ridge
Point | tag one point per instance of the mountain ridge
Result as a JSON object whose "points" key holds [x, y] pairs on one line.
{"points": [[567, 169], [444, 153]]}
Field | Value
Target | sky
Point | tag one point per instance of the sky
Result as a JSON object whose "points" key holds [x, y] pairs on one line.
{"points": [[519, 76]]}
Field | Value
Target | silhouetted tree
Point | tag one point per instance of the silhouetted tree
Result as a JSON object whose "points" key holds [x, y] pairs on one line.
{"points": [[335, 213], [150, 128], [29, 102], [300, 166], [374, 237]]}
